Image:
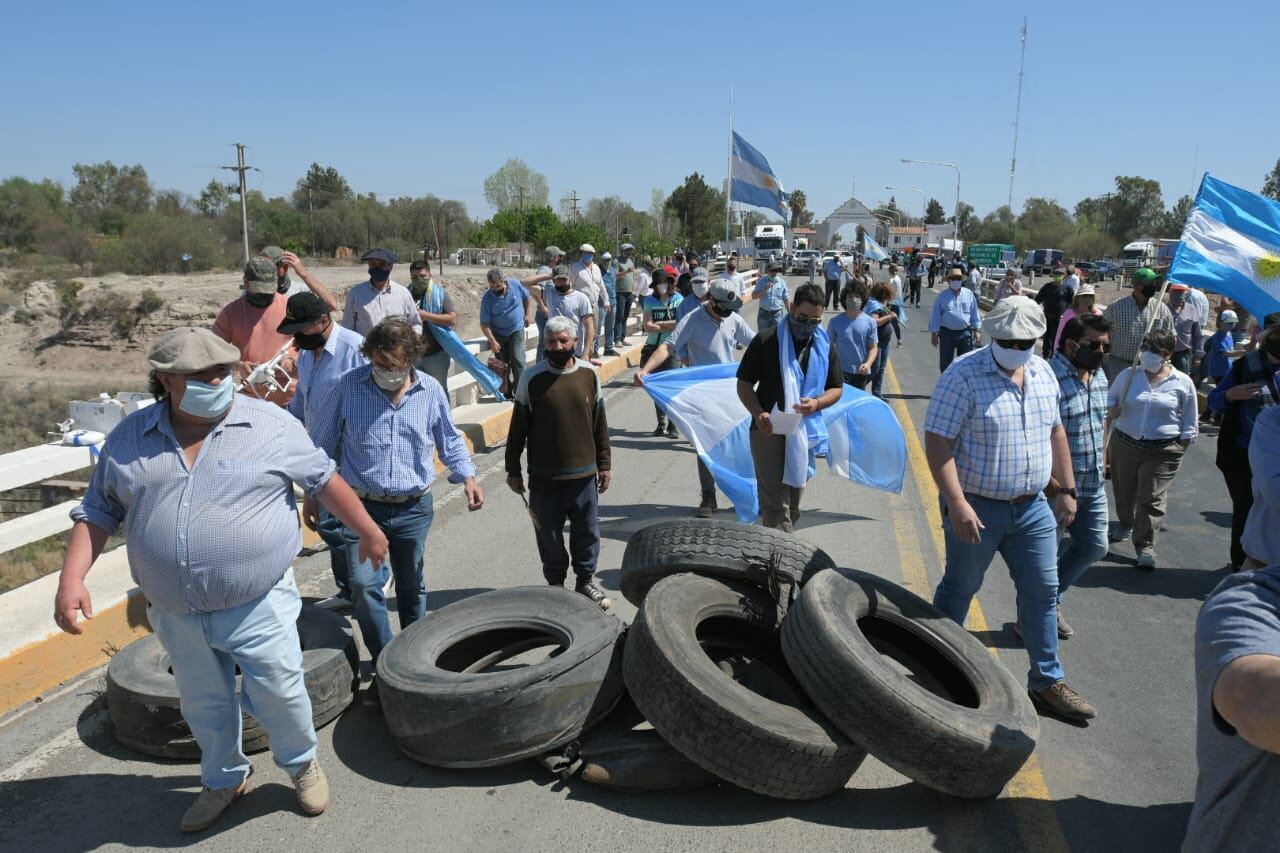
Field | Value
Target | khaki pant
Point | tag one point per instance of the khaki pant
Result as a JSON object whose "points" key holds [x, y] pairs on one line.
{"points": [[1140, 479], [768, 452]]}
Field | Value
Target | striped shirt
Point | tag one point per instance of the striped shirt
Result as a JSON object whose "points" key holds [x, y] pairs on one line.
{"points": [[319, 369], [1084, 412], [219, 534], [1001, 432], [1128, 324], [388, 449]]}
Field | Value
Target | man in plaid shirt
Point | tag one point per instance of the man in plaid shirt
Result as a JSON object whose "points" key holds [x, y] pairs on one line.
{"points": [[1083, 406], [1128, 318], [994, 437]]}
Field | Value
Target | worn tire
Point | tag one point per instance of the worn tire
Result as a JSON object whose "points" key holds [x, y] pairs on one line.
{"points": [[963, 725], [724, 549], [142, 695], [779, 746], [444, 709]]}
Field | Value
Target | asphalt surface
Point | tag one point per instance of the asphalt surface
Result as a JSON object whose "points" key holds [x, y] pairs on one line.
{"points": [[1124, 782]]}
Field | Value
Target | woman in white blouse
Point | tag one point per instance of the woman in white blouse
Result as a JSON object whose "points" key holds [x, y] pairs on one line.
{"points": [[1153, 409]]}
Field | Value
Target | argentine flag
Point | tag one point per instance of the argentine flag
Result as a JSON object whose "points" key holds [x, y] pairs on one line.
{"points": [[1231, 245], [871, 249], [752, 180], [865, 441]]}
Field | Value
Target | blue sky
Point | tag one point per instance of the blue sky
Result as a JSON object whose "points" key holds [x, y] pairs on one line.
{"points": [[409, 98]]}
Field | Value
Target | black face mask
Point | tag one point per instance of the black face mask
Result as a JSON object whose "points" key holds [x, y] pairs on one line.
{"points": [[559, 358], [1149, 290], [722, 312], [563, 288], [259, 300], [309, 341], [378, 276], [282, 283], [1086, 358]]}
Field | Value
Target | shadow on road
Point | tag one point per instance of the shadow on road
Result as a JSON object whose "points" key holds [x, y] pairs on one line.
{"points": [[1169, 583], [1217, 519]]}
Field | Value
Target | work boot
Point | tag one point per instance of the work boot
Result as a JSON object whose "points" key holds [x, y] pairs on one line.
{"points": [[661, 428], [1147, 561], [312, 788], [708, 505], [671, 431], [611, 352], [1119, 533], [585, 586], [209, 805], [1065, 631], [1061, 701]]}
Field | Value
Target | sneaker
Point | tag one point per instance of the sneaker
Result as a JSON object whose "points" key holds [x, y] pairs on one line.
{"points": [[1065, 631], [671, 431], [611, 351], [209, 805], [370, 696], [660, 430], [588, 588], [1147, 561], [312, 788], [1119, 534], [1061, 701], [707, 507]]}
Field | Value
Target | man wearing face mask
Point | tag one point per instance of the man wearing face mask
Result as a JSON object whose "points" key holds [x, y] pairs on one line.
{"points": [[994, 439], [588, 281], [731, 275], [1083, 407], [325, 352], [436, 310], [379, 298], [793, 368], [705, 336], [954, 321], [563, 301], [1129, 316], [201, 484], [249, 323], [1188, 346], [771, 292], [1055, 298], [384, 425]]}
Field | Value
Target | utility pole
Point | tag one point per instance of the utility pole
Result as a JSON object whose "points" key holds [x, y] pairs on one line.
{"points": [[573, 199], [1017, 113], [240, 168], [520, 196], [311, 214]]}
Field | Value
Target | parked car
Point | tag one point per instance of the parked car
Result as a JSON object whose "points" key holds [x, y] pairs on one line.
{"points": [[802, 258], [719, 263], [1107, 269], [1089, 271], [996, 272]]}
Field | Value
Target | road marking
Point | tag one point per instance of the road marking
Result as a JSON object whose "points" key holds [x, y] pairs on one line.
{"points": [[50, 749], [1031, 801]]}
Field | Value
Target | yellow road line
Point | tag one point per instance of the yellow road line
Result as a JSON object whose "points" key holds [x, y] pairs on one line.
{"points": [[1032, 804]]}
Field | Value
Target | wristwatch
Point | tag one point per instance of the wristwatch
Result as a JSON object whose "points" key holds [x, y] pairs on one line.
{"points": [[1071, 491]]}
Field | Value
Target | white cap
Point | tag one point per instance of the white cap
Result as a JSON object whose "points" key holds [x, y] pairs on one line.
{"points": [[587, 247], [1228, 316]]}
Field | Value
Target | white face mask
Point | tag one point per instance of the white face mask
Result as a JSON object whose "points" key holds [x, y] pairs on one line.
{"points": [[1009, 358], [854, 303], [389, 380], [954, 284], [1151, 362]]}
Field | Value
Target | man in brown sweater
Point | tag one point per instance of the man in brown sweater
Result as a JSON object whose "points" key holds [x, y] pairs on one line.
{"points": [[559, 415]]}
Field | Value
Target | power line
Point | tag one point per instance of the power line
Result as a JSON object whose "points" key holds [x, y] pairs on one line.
{"points": [[240, 168], [573, 199]]}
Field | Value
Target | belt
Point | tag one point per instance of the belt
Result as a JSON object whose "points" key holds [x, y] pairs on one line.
{"points": [[388, 499], [1145, 442], [1020, 499]]}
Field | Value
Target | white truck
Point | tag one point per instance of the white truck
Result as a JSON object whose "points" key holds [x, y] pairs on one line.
{"points": [[1153, 252], [771, 243]]}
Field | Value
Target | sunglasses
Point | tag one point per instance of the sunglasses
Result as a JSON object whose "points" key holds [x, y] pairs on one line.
{"points": [[810, 321], [1022, 345], [1096, 345]]}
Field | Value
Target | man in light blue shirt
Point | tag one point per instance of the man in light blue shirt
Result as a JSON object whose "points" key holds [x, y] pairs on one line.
{"points": [[326, 351], [954, 322], [202, 485], [771, 291], [384, 425], [506, 309]]}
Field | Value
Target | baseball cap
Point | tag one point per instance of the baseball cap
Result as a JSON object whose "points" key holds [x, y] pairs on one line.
{"points": [[302, 310], [1143, 275], [191, 350], [275, 253], [671, 271], [260, 276], [1086, 290], [724, 293], [561, 271], [553, 250], [380, 254], [419, 265], [606, 255], [626, 246], [1228, 316], [699, 274], [1173, 285], [773, 265]]}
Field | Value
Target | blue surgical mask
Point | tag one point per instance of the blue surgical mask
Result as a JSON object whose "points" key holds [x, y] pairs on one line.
{"points": [[586, 258], [202, 400]]}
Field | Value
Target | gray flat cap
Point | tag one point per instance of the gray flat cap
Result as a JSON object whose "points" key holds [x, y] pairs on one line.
{"points": [[1014, 318], [191, 350]]}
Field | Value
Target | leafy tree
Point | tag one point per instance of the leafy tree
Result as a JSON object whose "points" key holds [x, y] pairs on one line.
{"points": [[214, 198], [502, 188], [613, 214], [107, 195], [934, 213], [327, 187], [1090, 243], [801, 216], [658, 212], [1044, 223], [1176, 217], [966, 220], [1271, 185], [699, 208], [1136, 208], [999, 226], [27, 209]]}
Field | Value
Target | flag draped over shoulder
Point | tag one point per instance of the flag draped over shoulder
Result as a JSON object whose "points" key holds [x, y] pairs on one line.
{"points": [[1231, 245], [865, 441], [433, 301], [752, 180]]}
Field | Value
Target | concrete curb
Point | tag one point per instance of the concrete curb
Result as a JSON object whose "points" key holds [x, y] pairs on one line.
{"points": [[35, 657]]}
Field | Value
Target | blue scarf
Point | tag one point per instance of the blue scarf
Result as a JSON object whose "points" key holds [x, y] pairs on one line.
{"points": [[803, 448], [433, 303]]}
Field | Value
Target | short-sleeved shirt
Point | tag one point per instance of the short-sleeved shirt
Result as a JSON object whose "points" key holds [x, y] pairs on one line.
{"points": [[688, 306], [1167, 409], [367, 306], [877, 309], [699, 339], [220, 533], [626, 275], [852, 338], [1261, 537], [775, 295], [1001, 432], [660, 312], [253, 330], [956, 310], [575, 305], [1217, 364], [1237, 782], [1054, 298], [1084, 412], [587, 279], [504, 314], [761, 368], [739, 283], [1128, 323]]}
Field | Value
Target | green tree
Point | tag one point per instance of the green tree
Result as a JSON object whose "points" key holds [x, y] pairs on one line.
{"points": [[214, 198], [326, 185], [699, 210], [1044, 223], [28, 209], [934, 213], [967, 220], [1136, 208], [1176, 217], [1271, 184], [107, 195], [999, 226], [502, 188], [801, 216], [1090, 243]]}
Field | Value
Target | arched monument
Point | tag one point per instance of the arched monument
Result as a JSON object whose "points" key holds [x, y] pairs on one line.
{"points": [[852, 212]]}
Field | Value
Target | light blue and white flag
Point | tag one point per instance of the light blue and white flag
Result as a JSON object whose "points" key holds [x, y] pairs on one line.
{"points": [[752, 180], [871, 249], [1231, 245], [865, 441]]}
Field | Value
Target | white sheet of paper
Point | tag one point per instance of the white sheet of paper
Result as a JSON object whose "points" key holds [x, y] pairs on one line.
{"points": [[785, 423]]}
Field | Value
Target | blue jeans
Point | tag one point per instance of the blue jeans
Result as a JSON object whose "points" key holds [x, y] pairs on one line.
{"points": [[553, 502], [766, 320], [405, 526], [606, 318], [877, 374], [952, 343], [1085, 542], [1025, 534], [261, 638], [330, 530]]}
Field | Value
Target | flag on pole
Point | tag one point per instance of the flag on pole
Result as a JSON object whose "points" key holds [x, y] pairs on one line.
{"points": [[752, 180], [871, 249], [865, 441], [1231, 245]]}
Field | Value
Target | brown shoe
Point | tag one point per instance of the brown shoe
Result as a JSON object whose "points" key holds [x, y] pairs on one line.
{"points": [[209, 805], [1061, 701], [708, 506], [312, 788]]}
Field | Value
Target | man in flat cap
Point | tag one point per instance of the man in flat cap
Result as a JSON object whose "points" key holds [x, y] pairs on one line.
{"points": [[993, 437], [202, 485], [249, 323], [379, 298]]}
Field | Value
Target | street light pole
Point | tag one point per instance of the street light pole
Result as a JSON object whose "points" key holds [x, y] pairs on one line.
{"points": [[955, 231], [924, 199]]}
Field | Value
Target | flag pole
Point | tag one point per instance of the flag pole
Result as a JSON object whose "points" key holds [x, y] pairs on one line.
{"points": [[728, 173]]}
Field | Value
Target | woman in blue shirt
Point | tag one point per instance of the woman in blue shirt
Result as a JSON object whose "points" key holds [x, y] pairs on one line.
{"points": [[856, 336]]}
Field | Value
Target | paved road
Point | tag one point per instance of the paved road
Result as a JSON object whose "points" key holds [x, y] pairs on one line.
{"points": [[1124, 782]]}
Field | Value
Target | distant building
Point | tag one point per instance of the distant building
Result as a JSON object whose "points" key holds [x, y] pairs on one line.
{"points": [[906, 237]]}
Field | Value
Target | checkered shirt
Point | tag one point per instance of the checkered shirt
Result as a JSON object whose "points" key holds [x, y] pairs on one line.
{"points": [[1084, 412], [1128, 324]]}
